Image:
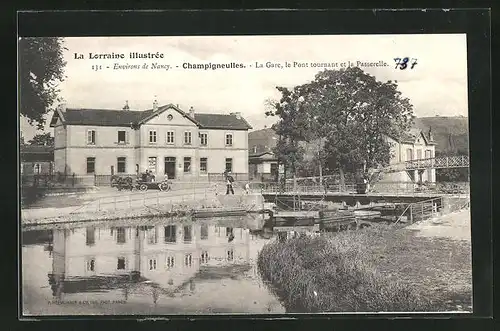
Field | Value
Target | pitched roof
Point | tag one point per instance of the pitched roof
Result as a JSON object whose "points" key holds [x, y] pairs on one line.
{"points": [[36, 149], [222, 121], [112, 117]]}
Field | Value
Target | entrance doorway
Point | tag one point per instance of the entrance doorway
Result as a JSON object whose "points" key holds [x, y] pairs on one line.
{"points": [[170, 167]]}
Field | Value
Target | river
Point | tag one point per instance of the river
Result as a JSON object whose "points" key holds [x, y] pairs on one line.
{"points": [[142, 267]]}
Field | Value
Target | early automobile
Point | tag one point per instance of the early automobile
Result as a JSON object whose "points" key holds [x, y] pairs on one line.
{"points": [[143, 182]]}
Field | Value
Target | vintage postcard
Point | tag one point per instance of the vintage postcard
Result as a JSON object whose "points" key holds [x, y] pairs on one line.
{"points": [[244, 175]]}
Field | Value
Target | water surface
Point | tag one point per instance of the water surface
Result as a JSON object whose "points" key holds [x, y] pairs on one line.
{"points": [[160, 266]]}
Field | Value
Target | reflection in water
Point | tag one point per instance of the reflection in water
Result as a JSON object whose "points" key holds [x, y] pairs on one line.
{"points": [[159, 259]]}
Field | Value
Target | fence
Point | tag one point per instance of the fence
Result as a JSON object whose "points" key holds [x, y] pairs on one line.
{"points": [[219, 177], [56, 180], [423, 210], [148, 199]]}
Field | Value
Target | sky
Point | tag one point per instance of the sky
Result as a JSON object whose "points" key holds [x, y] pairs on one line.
{"points": [[437, 84]]}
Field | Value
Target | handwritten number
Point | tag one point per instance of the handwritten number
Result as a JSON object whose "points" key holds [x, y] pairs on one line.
{"points": [[413, 63], [402, 63]]}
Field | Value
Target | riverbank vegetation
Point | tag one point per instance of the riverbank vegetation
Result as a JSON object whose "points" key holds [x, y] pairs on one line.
{"points": [[377, 269]]}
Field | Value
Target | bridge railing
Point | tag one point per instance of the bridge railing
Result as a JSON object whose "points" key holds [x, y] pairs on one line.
{"points": [[455, 161], [389, 187]]}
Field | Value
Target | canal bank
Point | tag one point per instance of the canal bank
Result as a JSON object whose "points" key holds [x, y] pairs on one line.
{"points": [[144, 205], [380, 268]]}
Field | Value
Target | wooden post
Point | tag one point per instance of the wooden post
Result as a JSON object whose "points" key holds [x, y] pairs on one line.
{"points": [[114, 202], [73, 179], [411, 213]]}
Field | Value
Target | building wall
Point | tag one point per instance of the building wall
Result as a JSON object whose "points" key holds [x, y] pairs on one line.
{"points": [[138, 149], [417, 150]]}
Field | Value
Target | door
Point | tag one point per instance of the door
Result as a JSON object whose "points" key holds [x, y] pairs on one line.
{"points": [[170, 167]]}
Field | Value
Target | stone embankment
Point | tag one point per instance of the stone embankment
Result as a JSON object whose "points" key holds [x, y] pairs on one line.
{"points": [[169, 207]]}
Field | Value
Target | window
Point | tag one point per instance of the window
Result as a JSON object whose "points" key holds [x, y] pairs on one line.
{"points": [[91, 265], [121, 237], [203, 139], [229, 231], [230, 255], [121, 165], [187, 164], [188, 260], [204, 232], [170, 137], [229, 139], [152, 264], [170, 231], [152, 236], [419, 154], [37, 167], [187, 233], [187, 138], [409, 154], [122, 137], [90, 165], [229, 165], [204, 257], [203, 164], [170, 262], [91, 137], [152, 136], [217, 231], [90, 236], [121, 263]]}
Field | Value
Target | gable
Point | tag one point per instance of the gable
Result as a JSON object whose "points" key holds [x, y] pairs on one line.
{"points": [[170, 116]]}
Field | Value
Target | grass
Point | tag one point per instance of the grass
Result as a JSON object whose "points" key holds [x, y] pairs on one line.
{"points": [[381, 268]]}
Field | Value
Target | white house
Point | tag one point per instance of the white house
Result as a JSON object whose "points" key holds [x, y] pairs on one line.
{"points": [[164, 140]]}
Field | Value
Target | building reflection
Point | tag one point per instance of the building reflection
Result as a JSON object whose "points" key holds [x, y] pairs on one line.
{"points": [[163, 257]]}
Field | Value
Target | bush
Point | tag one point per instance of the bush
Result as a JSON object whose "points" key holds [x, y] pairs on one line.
{"points": [[333, 274]]}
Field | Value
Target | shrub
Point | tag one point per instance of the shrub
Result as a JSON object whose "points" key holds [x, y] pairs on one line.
{"points": [[333, 274]]}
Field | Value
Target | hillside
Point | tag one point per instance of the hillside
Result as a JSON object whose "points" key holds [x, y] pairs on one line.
{"points": [[450, 133]]}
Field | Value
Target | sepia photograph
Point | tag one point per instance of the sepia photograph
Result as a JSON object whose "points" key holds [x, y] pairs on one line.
{"points": [[257, 174]]}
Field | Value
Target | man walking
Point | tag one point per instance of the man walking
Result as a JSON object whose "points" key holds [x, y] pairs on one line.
{"points": [[229, 184]]}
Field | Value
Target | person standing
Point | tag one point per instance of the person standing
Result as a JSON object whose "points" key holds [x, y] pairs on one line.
{"points": [[229, 184], [247, 188]]}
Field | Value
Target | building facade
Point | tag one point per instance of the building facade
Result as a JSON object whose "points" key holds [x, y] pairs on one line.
{"points": [[262, 164], [164, 140], [413, 146], [36, 160]]}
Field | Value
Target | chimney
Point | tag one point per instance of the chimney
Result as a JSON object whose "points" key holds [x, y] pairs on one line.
{"points": [[431, 138], [126, 107], [191, 112], [237, 114], [155, 104]]}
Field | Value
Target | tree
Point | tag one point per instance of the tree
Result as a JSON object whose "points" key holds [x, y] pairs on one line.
{"points": [[42, 140], [355, 113], [292, 128], [41, 68]]}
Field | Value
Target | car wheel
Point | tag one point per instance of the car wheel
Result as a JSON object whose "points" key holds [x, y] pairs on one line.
{"points": [[143, 187]]}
